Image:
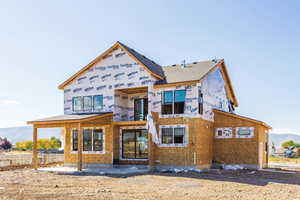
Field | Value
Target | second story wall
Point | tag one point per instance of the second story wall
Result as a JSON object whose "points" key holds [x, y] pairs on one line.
{"points": [[214, 96], [116, 71]]}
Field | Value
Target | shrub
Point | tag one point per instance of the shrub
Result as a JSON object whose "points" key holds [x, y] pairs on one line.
{"points": [[5, 144]]}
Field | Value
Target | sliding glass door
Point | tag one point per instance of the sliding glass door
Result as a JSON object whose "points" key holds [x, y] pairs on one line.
{"points": [[135, 144]]}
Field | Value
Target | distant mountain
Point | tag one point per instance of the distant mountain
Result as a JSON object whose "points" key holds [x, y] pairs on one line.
{"points": [[21, 133], [279, 138]]}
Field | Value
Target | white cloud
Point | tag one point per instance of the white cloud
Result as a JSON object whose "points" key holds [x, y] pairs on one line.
{"points": [[9, 102], [285, 130]]}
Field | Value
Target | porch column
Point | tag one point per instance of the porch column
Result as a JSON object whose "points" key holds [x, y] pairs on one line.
{"points": [[34, 148], [79, 160]]}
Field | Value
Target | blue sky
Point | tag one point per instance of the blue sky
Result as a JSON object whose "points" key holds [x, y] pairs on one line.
{"points": [[42, 43]]}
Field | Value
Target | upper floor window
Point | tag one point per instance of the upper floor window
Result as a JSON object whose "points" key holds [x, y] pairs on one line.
{"points": [[87, 103], [77, 104], [98, 102], [200, 102], [173, 102]]}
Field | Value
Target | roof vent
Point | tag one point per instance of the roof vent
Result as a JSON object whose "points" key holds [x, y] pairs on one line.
{"points": [[214, 60], [183, 65]]}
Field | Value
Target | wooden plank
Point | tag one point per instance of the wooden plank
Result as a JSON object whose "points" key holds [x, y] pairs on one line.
{"points": [[125, 123], [35, 152], [194, 82]]}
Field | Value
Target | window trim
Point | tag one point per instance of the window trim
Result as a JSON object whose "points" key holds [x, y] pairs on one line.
{"points": [[89, 152], [173, 102], [244, 136], [223, 129], [173, 126]]}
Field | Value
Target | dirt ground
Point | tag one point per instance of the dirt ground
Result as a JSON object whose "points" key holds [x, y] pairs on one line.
{"points": [[216, 184]]}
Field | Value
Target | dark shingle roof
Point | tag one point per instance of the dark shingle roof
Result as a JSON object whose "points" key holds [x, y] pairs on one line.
{"points": [[151, 65]]}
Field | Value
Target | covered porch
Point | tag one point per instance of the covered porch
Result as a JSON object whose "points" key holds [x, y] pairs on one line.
{"points": [[97, 130]]}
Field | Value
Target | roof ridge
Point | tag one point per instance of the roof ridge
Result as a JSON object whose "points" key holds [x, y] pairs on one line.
{"points": [[150, 64]]}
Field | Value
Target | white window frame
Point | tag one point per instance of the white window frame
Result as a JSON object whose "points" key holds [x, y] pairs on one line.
{"points": [[244, 136], [89, 152], [223, 134], [185, 138]]}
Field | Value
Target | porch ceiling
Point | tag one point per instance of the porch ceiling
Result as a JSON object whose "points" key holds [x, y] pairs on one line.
{"points": [[134, 90]]}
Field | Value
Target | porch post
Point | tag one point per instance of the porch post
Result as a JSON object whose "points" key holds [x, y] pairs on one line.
{"points": [[79, 160], [34, 148]]}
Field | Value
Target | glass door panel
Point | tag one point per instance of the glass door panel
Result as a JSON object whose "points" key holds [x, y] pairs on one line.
{"points": [[128, 141], [135, 144], [142, 144]]}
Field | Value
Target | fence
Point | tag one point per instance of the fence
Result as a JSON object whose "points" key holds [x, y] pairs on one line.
{"points": [[26, 159]]}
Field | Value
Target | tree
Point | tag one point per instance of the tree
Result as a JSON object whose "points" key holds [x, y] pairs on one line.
{"points": [[289, 144], [43, 143], [5, 144]]}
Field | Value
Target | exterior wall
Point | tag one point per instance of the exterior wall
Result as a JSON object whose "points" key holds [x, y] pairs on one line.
{"points": [[91, 158], [198, 151], [238, 150], [114, 72], [214, 96]]}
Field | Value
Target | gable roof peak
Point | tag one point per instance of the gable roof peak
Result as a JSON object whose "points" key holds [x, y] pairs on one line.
{"points": [[153, 68]]}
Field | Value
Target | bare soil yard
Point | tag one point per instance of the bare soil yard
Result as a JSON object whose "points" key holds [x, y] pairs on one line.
{"points": [[29, 184]]}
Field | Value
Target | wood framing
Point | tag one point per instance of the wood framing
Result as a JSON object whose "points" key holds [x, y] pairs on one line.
{"points": [[193, 82], [35, 150]]}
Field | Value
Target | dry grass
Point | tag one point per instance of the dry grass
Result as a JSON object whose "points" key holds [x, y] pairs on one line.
{"points": [[289, 160]]}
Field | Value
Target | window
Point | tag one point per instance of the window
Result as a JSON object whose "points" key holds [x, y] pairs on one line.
{"points": [[93, 140], [179, 135], [88, 103], [167, 135], [173, 136], [77, 104], [244, 132], [74, 140], [87, 140], [140, 109], [98, 102], [179, 99], [173, 102], [200, 102], [167, 106], [223, 133], [97, 140]]}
